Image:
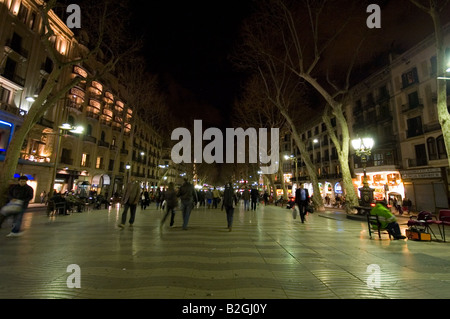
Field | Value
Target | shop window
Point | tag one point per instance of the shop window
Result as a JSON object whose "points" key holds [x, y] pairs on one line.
{"points": [[432, 149]]}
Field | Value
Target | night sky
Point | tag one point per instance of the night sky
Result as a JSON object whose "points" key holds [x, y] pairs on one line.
{"points": [[187, 43]]}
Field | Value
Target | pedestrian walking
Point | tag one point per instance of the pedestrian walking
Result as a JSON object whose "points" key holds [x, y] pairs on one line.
{"points": [[302, 201], [188, 196], [171, 204], [229, 202], [407, 204], [209, 198], [130, 201], [43, 197], [19, 195], [216, 197], [254, 197], [246, 198]]}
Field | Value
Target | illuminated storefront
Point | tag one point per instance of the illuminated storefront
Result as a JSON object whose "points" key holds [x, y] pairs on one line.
{"points": [[386, 184]]}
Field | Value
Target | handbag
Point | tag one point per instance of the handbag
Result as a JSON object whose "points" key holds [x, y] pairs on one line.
{"points": [[295, 211], [12, 208]]}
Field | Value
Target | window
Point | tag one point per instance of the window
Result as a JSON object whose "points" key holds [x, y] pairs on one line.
{"points": [[421, 157], [414, 127], [432, 150], [23, 13], [89, 130], [10, 69], [4, 95], [440, 144], [433, 62], [413, 100], [410, 78], [84, 159], [99, 162], [102, 137]]}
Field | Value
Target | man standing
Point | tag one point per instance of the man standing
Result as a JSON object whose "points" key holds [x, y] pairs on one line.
{"points": [[302, 200], [130, 201], [19, 193], [187, 195]]}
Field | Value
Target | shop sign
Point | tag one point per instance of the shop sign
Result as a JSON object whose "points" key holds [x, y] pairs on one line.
{"points": [[422, 173]]}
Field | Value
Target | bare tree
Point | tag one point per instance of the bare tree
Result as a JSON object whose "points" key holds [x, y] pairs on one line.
{"points": [[295, 37], [255, 110], [434, 9], [103, 46]]}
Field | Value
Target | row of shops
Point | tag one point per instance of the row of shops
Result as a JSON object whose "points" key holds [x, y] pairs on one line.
{"points": [[427, 188]]}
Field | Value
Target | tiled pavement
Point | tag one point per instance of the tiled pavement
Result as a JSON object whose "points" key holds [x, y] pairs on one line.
{"points": [[268, 255]]}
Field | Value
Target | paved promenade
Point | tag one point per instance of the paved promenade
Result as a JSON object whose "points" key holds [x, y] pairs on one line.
{"points": [[268, 255]]}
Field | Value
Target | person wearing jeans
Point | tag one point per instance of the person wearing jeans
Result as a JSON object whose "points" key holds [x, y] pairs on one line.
{"points": [[187, 195], [130, 201], [21, 192], [302, 201]]}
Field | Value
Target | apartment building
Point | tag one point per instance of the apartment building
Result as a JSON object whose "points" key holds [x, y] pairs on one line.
{"points": [[115, 144], [396, 106], [424, 160]]}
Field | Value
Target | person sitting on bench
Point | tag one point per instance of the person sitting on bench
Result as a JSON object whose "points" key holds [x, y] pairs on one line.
{"points": [[387, 220]]}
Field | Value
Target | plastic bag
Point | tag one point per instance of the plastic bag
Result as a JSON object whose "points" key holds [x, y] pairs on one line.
{"points": [[12, 208]]}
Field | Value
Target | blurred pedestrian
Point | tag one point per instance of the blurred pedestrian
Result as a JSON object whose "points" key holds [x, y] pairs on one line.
{"points": [[246, 198], [229, 202], [130, 201], [254, 197], [302, 201], [188, 196], [20, 195], [171, 204], [407, 204], [216, 197]]}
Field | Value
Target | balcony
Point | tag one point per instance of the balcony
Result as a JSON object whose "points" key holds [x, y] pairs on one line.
{"points": [[67, 161], [11, 46], [103, 144], [89, 139], [12, 77]]}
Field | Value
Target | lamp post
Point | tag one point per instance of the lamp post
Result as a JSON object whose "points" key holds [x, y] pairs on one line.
{"points": [[127, 167], [363, 148], [61, 129]]}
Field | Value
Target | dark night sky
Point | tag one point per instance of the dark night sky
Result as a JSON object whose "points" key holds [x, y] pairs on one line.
{"points": [[187, 44]]}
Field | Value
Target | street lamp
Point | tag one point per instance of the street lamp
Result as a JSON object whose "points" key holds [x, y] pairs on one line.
{"points": [[61, 129], [363, 148], [128, 167]]}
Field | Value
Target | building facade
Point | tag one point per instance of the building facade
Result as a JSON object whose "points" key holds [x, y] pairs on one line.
{"points": [[115, 144]]}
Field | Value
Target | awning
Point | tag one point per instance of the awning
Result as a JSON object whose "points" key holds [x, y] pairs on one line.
{"points": [[106, 179]]}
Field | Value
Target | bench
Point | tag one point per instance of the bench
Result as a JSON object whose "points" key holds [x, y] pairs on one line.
{"points": [[374, 225]]}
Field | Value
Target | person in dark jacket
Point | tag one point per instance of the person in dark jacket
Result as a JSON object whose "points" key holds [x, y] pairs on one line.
{"points": [[302, 200], [229, 202], [254, 195], [21, 192], [188, 196], [171, 204]]}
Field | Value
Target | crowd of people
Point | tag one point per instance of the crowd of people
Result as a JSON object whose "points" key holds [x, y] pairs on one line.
{"points": [[170, 199]]}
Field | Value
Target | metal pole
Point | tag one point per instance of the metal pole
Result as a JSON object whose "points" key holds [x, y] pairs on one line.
{"points": [[55, 166]]}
